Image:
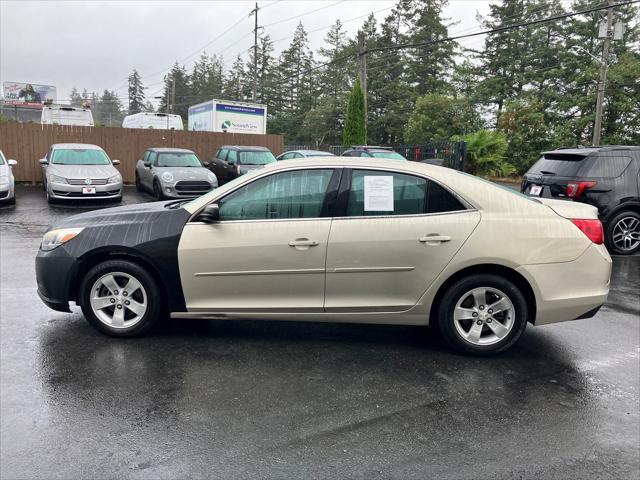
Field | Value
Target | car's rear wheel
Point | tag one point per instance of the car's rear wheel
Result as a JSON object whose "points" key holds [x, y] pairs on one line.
{"points": [[120, 298], [623, 233], [157, 191], [482, 314]]}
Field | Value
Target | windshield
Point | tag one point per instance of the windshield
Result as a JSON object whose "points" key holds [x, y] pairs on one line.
{"points": [[256, 158], [175, 159], [391, 155], [79, 156]]}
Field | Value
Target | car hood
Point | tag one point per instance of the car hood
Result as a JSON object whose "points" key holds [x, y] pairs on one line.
{"points": [[247, 167], [82, 171], [184, 173], [129, 214]]}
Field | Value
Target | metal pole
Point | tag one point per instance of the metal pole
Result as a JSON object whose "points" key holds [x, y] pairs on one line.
{"points": [[254, 94], [173, 93], [604, 66]]}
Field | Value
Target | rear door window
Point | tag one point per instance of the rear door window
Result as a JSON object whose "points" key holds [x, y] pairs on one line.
{"points": [[222, 154]]}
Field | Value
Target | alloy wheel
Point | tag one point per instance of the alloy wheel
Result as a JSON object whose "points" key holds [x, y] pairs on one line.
{"points": [[118, 300], [626, 233], [484, 316]]}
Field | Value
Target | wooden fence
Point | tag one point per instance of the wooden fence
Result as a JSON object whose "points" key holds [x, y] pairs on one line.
{"points": [[28, 143]]}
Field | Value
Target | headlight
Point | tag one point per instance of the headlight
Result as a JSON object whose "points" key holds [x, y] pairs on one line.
{"points": [[115, 179], [55, 238], [213, 179], [167, 177], [4, 180], [57, 179]]}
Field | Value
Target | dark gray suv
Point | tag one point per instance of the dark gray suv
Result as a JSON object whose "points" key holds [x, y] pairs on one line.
{"points": [[606, 177]]}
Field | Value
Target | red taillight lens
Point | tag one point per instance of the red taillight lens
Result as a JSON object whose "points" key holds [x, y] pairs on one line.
{"points": [[575, 189], [591, 228]]}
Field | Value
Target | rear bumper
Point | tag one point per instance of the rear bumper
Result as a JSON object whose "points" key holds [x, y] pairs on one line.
{"points": [[570, 290]]}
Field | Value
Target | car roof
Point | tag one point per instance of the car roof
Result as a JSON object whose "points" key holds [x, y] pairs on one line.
{"points": [[80, 146], [369, 147], [169, 150], [364, 163], [588, 150], [247, 147]]}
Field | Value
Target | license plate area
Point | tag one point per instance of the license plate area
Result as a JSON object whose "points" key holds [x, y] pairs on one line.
{"points": [[88, 190], [535, 190]]}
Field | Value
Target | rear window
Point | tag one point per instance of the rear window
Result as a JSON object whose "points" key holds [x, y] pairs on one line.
{"points": [[562, 164], [601, 165]]}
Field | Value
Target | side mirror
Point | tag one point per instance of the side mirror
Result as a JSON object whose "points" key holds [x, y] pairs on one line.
{"points": [[147, 164], [210, 214], [205, 163], [115, 162], [44, 161], [12, 163]]}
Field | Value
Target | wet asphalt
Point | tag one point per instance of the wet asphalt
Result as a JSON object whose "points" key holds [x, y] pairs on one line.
{"points": [[297, 400]]}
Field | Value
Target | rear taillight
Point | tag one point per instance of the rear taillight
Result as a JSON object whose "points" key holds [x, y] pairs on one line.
{"points": [[575, 189], [592, 228]]}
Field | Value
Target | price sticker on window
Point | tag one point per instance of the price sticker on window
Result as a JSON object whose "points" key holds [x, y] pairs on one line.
{"points": [[378, 194]]}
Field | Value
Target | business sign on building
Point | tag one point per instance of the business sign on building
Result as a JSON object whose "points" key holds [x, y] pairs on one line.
{"points": [[240, 118], [201, 118], [18, 93]]}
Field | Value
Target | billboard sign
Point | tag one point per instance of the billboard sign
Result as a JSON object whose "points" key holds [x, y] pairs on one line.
{"points": [[240, 118], [30, 94]]}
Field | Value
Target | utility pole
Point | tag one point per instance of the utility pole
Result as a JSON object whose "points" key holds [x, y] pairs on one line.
{"points": [[254, 12], [604, 67], [362, 60]]}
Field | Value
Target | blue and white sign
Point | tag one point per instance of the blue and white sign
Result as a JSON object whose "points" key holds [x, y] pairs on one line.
{"points": [[225, 116]]}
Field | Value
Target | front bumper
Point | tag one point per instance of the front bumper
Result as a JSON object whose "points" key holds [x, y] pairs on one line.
{"points": [[64, 191], [184, 189], [7, 191], [570, 290], [56, 277]]}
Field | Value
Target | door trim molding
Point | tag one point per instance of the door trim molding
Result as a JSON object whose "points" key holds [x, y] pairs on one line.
{"points": [[259, 272], [370, 269]]}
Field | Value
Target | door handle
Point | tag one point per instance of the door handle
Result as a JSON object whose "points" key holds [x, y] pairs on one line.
{"points": [[303, 242], [429, 239]]}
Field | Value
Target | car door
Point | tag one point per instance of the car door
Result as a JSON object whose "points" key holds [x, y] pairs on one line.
{"points": [[267, 252], [148, 176], [397, 234], [142, 169]]}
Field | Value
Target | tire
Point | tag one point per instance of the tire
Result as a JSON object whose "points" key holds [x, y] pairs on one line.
{"points": [[138, 184], [121, 320], [498, 330], [12, 200], [622, 233], [157, 191], [50, 200]]}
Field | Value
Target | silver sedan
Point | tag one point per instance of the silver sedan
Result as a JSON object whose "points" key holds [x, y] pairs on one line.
{"points": [[73, 171]]}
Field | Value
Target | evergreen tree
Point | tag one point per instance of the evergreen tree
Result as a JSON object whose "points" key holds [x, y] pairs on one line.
{"points": [[136, 93], [183, 97], [75, 99], [355, 122]]}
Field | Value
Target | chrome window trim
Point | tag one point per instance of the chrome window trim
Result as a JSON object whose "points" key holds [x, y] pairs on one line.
{"points": [[469, 207]]}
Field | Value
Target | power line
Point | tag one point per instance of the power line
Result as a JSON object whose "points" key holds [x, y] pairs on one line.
{"points": [[303, 14]]}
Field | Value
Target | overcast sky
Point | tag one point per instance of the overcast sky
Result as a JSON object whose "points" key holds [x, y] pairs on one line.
{"points": [[96, 44]]}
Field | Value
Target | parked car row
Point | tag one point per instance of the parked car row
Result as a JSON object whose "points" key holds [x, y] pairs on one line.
{"points": [[7, 182]]}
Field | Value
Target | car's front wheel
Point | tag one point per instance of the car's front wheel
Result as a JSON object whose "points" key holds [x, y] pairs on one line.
{"points": [[623, 233], [120, 298], [138, 183], [482, 314], [157, 191]]}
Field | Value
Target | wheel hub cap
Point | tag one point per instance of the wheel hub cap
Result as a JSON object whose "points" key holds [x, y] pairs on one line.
{"points": [[118, 300], [484, 316]]}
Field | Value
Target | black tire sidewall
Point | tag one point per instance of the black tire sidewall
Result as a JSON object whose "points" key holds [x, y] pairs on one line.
{"points": [[608, 234], [138, 184], [453, 294], [157, 191], [154, 297]]}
